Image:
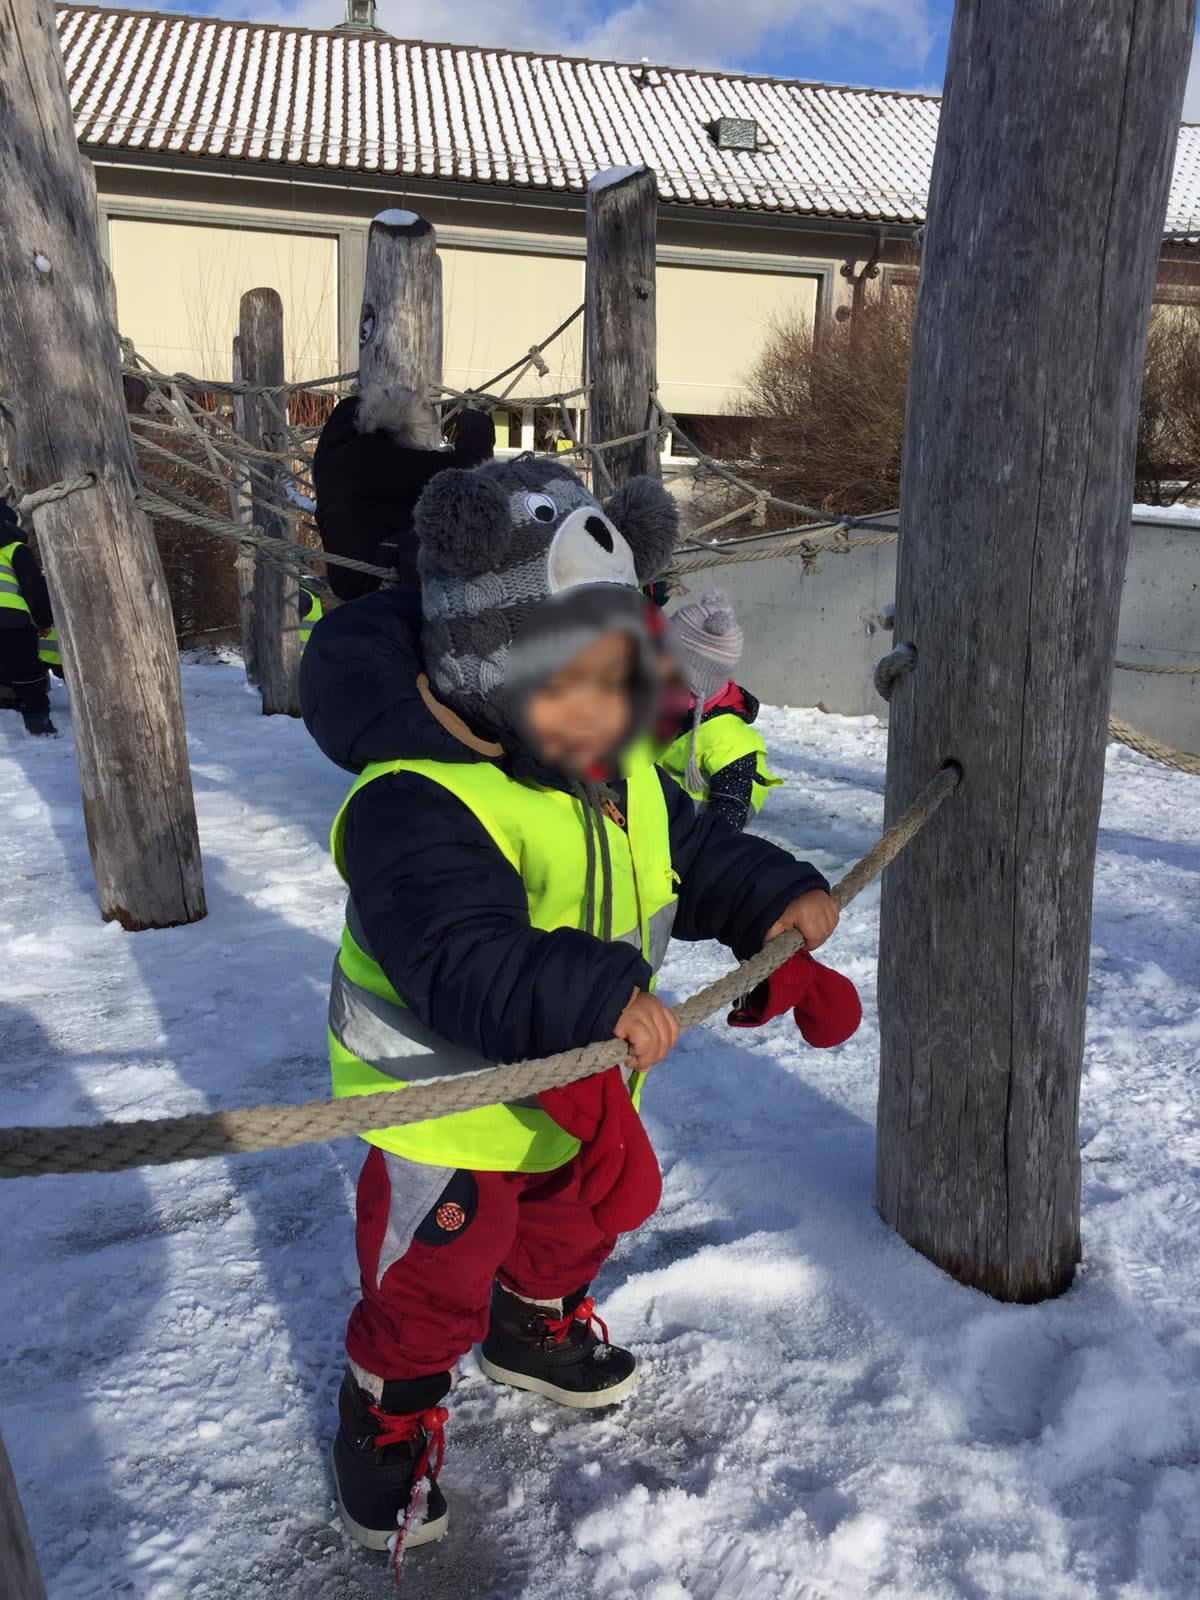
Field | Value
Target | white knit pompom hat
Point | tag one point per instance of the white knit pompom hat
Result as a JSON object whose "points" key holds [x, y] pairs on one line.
{"points": [[706, 640]]}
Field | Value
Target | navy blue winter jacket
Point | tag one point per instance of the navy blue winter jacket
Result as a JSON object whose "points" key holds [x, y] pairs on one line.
{"points": [[445, 913]]}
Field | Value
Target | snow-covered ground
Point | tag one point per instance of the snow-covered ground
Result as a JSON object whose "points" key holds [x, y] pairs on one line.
{"points": [[823, 1416]]}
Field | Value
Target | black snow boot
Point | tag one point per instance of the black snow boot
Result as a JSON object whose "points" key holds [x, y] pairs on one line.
{"points": [[556, 1353], [38, 723], [386, 1459]]}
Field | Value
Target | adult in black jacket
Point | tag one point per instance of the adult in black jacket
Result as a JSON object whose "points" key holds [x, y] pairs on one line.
{"points": [[21, 620], [375, 455]]}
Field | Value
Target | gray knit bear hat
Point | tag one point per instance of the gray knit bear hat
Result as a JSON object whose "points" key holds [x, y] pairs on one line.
{"points": [[521, 567]]}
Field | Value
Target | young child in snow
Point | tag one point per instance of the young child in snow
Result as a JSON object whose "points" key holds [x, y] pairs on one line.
{"points": [[24, 616], [509, 897], [706, 737]]}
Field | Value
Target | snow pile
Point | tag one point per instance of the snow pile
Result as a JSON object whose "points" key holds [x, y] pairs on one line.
{"points": [[823, 1416], [610, 178], [1166, 513]]}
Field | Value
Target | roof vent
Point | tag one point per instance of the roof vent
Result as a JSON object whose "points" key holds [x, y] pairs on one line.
{"points": [[734, 133], [360, 18]]}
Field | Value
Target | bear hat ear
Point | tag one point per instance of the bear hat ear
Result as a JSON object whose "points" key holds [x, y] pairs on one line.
{"points": [[649, 519], [463, 523]]}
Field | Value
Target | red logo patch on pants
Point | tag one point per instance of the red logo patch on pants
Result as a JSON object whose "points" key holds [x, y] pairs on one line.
{"points": [[450, 1217]]}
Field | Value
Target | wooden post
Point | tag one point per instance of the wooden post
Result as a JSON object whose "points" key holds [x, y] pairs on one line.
{"points": [[400, 325], [276, 606], [243, 512], [621, 328], [18, 1562], [1046, 211], [71, 428]]}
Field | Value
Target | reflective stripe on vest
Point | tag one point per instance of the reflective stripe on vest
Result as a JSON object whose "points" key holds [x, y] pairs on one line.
{"points": [[720, 741], [540, 832], [48, 651], [313, 614], [11, 598]]}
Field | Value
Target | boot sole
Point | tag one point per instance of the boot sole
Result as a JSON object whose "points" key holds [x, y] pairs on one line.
{"points": [[377, 1538], [577, 1399]]}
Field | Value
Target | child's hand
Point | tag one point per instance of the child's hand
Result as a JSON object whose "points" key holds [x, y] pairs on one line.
{"points": [[814, 916], [649, 1028]]}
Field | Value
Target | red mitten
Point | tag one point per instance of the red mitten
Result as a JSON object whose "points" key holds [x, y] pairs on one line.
{"points": [[831, 1012], [787, 987], [824, 1003], [619, 1172]]}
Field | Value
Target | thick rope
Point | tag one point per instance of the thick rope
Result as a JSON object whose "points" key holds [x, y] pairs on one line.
{"points": [[898, 663], [1146, 746], [54, 491], [114, 1146], [802, 541], [1185, 670]]}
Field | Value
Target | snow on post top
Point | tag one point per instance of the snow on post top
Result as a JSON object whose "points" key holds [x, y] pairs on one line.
{"points": [[605, 180], [397, 219]]}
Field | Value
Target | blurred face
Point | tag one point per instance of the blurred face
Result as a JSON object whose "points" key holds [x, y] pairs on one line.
{"points": [[674, 696], [581, 715]]}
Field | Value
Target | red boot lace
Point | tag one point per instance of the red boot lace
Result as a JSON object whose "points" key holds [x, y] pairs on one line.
{"points": [[393, 1429], [559, 1327]]}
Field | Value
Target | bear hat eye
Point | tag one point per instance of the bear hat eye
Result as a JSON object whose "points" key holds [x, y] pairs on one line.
{"points": [[541, 508]]}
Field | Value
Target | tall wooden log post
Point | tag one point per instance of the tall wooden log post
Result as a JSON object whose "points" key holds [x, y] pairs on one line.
{"points": [[1046, 212], [276, 588], [400, 324], [18, 1562], [71, 430], [243, 511], [621, 321]]}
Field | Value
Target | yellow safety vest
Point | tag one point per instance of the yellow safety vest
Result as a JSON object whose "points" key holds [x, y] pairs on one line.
{"points": [[312, 615], [48, 652], [540, 832], [720, 741], [11, 598]]}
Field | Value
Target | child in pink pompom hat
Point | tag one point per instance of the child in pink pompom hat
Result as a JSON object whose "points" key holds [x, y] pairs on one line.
{"points": [[707, 740]]}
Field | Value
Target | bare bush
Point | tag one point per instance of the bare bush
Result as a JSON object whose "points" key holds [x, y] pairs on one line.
{"points": [[1168, 444], [828, 409]]}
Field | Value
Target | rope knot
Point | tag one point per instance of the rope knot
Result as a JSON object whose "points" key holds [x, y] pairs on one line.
{"points": [[897, 664], [54, 491]]}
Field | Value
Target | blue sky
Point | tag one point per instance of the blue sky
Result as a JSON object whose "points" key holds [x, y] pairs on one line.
{"points": [[850, 55], [885, 43]]}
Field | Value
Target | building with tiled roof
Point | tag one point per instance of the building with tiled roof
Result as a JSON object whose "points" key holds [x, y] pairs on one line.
{"points": [[229, 151]]}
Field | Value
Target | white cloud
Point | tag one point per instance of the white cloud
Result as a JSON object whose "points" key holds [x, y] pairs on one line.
{"points": [[1191, 95], [732, 32], [728, 33]]}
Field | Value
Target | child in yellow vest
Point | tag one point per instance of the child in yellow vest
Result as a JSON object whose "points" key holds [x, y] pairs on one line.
{"points": [[706, 735], [511, 893], [24, 617]]}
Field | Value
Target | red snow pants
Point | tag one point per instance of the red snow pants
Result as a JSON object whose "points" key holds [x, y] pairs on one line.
{"points": [[430, 1242]]}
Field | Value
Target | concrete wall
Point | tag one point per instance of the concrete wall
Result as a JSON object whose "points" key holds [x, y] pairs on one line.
{"points": [[814, 639]]}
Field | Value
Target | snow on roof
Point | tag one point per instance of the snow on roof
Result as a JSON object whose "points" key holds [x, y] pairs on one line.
{"points": [[196, 86]]}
